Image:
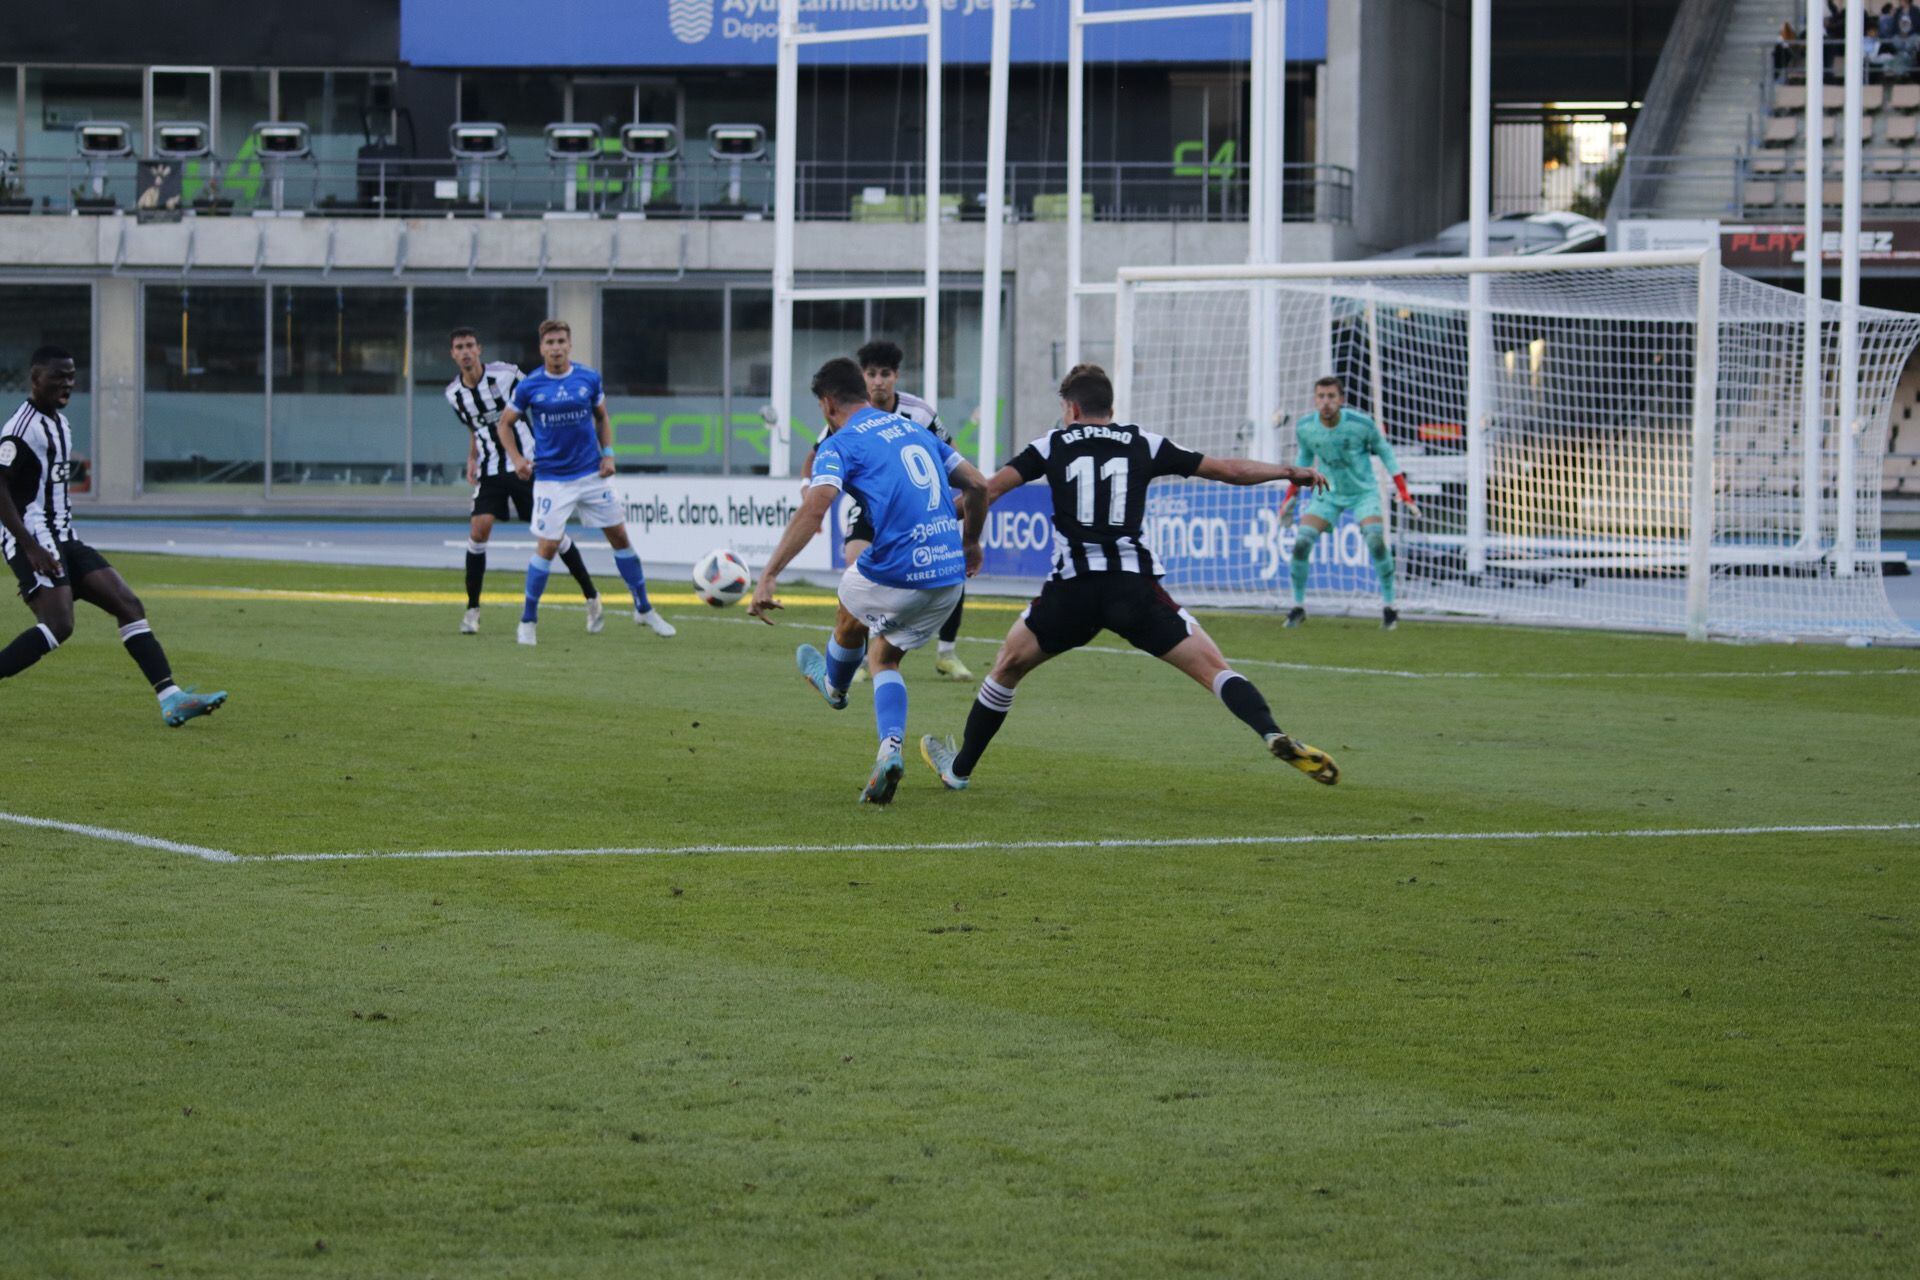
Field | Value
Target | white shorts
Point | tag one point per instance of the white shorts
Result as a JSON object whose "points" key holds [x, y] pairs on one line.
{"points": [[907, 617], [591, 498]]}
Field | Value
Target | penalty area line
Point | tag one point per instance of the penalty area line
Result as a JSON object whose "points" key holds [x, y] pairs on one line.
{"points": [[115, 836]]}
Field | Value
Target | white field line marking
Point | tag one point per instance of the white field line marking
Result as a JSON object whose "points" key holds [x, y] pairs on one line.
{"points": [[1196, 842], [122, 837], [295, 596], [958, 846]]}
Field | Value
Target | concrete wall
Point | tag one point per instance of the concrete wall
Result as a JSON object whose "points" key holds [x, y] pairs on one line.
{"points": [[580, 257], [1395, 111]]}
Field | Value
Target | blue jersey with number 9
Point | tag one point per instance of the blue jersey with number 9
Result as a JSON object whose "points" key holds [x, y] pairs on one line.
{"points": [[898, 470]]}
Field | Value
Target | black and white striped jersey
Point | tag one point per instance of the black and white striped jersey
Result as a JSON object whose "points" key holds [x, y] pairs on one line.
{"points": [[1099, 473], [36, 460], [915, 410], [478, 409], [911, 407]]}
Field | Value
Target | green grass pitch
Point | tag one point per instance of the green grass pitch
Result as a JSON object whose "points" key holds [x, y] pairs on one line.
{"points": [[1629, 1055]]}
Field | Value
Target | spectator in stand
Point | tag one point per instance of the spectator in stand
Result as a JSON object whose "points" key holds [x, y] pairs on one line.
{"points": [[1783, 52], [1889, 25], [1912, 14]]}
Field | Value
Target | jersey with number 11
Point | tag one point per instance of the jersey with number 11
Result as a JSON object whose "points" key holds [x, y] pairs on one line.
{"points": [[898, 471]]}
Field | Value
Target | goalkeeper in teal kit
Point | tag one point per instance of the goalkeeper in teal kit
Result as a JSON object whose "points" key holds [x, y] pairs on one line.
{"points": [[1342, 443]]}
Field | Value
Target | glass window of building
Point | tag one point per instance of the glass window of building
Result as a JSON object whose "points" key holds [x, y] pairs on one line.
{"points": [[526, 103], [665, 371], [203, 412], [342, 113], [58, 98], [507, 322], [339, 404], [750, 380], [57, 315]]}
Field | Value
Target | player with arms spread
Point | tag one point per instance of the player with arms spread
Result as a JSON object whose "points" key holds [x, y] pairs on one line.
{"points": [[906, 583], [478, 397], [53, 566], [573, 456], [1104, 575], [1345, 442]]}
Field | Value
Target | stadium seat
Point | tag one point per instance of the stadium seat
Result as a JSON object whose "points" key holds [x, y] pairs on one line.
{"points": [[1876, 191], [1769, 163], [1901, 130], [1832, 192], [1906, 191], [1833, 96], [1872, 97], [1829, 128], [1779, 131], [1793, 193], [1905, 97], [1790, 97], [1758, 191], [1886, 162]]}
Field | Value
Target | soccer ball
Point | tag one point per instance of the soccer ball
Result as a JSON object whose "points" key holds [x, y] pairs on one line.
{"points": [[721, 578]]}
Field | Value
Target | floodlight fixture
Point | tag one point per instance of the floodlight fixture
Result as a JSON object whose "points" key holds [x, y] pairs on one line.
{"points": [[102, 139], [737, 142], [649, 141], [282, 140], [181, 140], [477, 140], [573, 141]]}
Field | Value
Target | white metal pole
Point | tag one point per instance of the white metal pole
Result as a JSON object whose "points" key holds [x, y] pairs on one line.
{"points": [[1810, 420], [989, 444], [1076, 156], [1266, 179], [1479, 323], [786, 129], [1375, 384], [1847, 532], [930, 372], [1124, 294], [1706, 387]]}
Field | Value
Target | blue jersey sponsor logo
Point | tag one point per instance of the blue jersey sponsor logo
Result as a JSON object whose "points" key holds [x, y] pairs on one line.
{"points": [[559, 412], [897, 470]]}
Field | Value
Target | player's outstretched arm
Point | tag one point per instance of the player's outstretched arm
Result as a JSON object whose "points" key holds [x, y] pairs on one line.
{"points": [[1247, 471], [800, 531], [1003, 482], [973, 510], [509, 441]]}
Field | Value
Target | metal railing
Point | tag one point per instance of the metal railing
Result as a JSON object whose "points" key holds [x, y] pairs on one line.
{"points": [[1717, 187], [828, 191]]}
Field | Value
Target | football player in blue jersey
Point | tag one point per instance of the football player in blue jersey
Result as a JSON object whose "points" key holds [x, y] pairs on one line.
{"points": [[895, 596], [573, 451]]}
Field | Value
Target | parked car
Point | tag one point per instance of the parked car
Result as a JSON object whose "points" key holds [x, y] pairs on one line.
{"points": [[1515, 233]]}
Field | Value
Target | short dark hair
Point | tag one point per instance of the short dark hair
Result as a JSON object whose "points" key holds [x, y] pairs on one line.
{"points": [[462, 332], [881, 353], [44, 356], [840, 381], [1330, 381], [1088, 386]]}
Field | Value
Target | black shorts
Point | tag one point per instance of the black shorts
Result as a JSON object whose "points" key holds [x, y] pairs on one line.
{"points": [[493, 495], [77, 560], [1070, 612], [859, 523]]}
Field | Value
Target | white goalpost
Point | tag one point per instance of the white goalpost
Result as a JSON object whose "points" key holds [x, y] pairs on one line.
{"points": [[1642, 462]]}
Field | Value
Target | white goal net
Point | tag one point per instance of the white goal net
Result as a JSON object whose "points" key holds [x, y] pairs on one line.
{"points": [[1620, 395]]}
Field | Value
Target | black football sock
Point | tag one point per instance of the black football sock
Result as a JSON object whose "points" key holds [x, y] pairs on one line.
{"points": [[950, 629], [476, 571], [990, 707], [1245, 701], [146, 650], [577, 566], [31, 645]]}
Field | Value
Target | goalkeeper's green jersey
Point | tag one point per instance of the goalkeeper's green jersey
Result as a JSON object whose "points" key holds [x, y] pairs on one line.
{"points": [[1344, 453]]}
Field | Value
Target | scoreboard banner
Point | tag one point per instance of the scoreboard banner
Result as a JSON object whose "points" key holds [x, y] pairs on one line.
{"points": [[737, 33]]}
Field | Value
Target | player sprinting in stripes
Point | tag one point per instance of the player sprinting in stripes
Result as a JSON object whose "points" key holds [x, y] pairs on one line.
{"points": [[573, 457], [54, 567], [478, 396], [1343, 443], [895, 597], [1104, 575]]}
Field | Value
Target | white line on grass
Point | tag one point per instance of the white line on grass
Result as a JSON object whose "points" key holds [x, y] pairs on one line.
{"points": [[961, 846], [122, 837]]}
